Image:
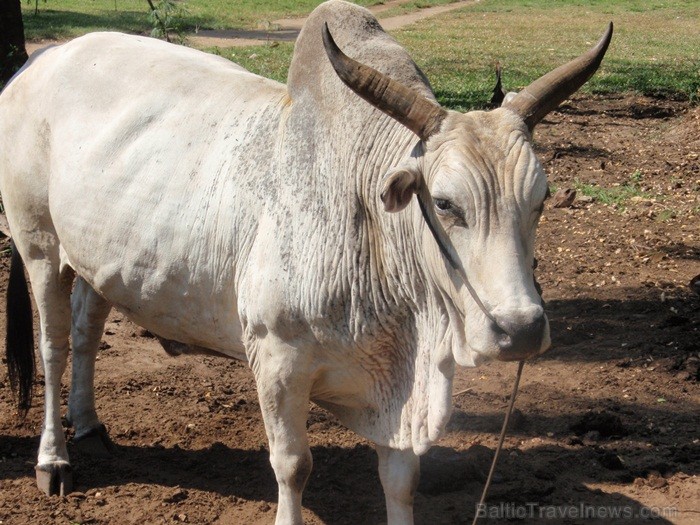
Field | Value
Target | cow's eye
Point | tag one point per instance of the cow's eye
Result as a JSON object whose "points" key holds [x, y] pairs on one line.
{"points": [[445, 208], [443, 205]]}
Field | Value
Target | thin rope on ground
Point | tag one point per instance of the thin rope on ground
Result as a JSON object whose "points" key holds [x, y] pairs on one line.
{"points": [[501, 438]]}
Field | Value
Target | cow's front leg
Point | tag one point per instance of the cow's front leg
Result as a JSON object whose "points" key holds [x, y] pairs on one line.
{"points": [[90, 311], [399, 471], [283, 385]]}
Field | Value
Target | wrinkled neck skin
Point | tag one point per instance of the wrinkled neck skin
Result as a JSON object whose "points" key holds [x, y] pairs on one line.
{"points": [[417, 310]]}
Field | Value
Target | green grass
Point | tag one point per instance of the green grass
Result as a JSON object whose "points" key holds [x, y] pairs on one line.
{"points": [[69, 18], [666, 215], [615, 196], [653, 52], [411, 6], [654, 49], [253, 14], [59, 19], [271, 61]]}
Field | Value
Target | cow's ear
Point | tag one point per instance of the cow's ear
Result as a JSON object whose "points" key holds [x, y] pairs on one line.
{"points": [[399, 186]]}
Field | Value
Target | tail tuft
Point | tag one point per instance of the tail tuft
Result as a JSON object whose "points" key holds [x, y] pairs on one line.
{"points": [[19, 340]]}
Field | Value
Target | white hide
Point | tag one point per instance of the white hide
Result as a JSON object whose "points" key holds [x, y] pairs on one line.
{"points": [[230, 212]]}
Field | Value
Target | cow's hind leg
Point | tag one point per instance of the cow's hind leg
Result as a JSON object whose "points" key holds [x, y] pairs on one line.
{"points": [[283, 390], [90, 311], [52, 288], [399, 471]]}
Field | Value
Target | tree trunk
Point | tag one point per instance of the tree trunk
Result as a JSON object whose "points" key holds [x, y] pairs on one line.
{"points": [[12, 51]]}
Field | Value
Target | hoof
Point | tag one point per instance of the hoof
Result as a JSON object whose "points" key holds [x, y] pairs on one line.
{"points": [[95, 443], [55, 479]]}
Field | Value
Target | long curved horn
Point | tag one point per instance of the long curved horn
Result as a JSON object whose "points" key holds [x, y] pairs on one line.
{"points": [[414, 111], [550, 90]]}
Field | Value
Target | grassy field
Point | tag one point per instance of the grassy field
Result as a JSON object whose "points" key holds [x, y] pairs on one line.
{"points": [[69, 18], [654, 49], [58, 19]]}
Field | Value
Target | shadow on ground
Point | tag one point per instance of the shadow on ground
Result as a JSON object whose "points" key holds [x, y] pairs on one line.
{"points": [[344, 480]]}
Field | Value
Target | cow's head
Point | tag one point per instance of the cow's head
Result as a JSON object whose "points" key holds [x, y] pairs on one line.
{"points": [[481, 190]]}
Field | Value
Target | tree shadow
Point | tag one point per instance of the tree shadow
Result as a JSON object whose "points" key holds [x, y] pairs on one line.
{"points": [[218, 469], [277, 35], [633, 110], [653, 322], [679, 250], [55, 24], [576, 151], [532, 486]]}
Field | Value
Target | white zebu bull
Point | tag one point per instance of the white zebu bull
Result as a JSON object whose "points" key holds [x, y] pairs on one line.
{"points": [[230, 213]]}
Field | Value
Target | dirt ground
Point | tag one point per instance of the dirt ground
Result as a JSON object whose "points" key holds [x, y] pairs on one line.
{"points": [[607, 420]]}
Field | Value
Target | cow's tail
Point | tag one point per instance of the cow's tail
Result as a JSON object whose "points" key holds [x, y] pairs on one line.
{"points": [[19, 340]]}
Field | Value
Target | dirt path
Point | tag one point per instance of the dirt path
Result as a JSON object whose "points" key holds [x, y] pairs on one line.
{"points": [[287, 29]]}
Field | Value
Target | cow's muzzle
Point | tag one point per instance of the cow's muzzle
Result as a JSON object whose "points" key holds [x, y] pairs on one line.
{"points": [[522, 333]]}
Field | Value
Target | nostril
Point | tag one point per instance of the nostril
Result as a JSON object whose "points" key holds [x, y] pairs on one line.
{"points": [[502, 336], [497, 326], [505, 341]]}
